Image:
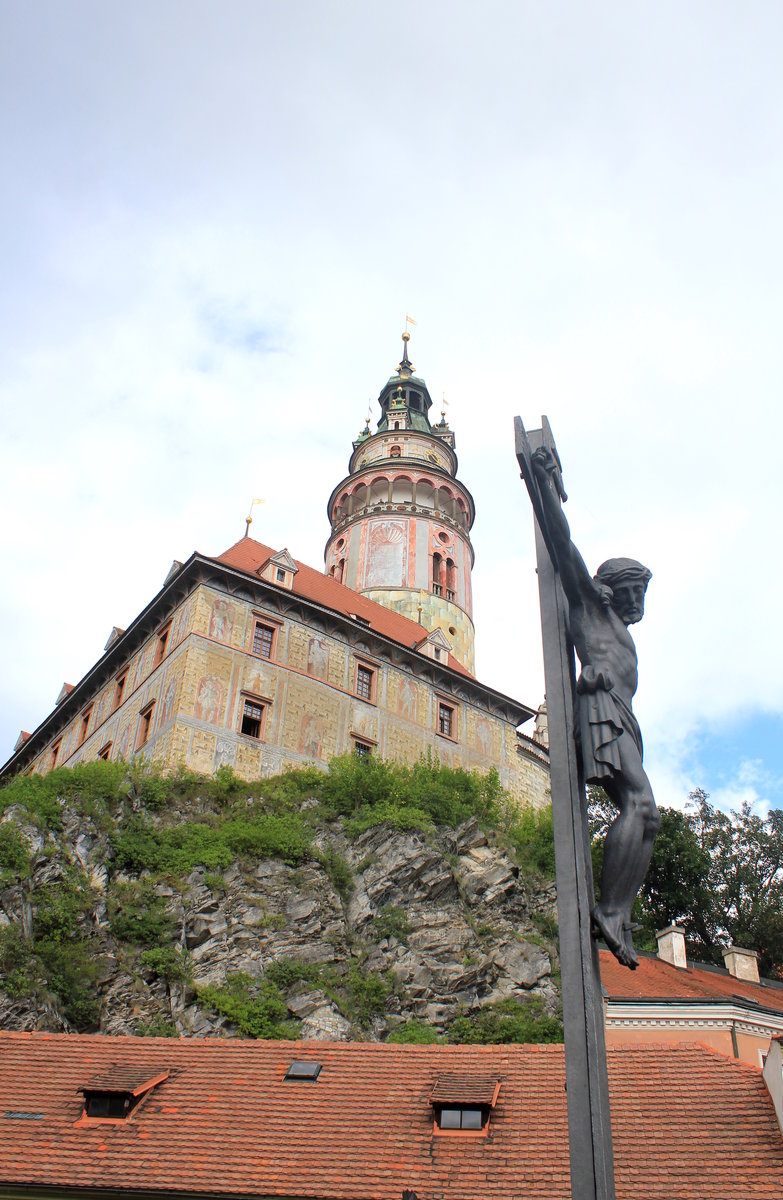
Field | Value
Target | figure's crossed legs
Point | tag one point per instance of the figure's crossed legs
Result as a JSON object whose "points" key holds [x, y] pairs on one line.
{"points": [[627, 851]]}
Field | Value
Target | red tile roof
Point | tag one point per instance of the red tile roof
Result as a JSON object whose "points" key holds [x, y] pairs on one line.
{"points": [[248, 555], [654, 979], [688, 1122]]}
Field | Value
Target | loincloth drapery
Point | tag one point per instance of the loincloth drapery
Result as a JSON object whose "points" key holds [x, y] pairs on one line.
{"points": [[603, 717]]}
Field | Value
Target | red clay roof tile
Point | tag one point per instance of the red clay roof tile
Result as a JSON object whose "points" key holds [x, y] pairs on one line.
{"points": [[687, 1121], [248, 555], [654, 979]]}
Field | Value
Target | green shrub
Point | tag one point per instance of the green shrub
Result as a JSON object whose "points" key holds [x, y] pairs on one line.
{"points": [[391, 922], [254, 1006], [367, 993], [156, 1028], [137, 914], [415, 1033], [72, 969], [402, 817], [19, 971], [37, 795], [176, 849], [339, 871], [166, 962], [510, 1020], [546, 924], [59, 906], [265, 835], [532, 835], [225, 786], [14, 855], [287, 971], [354, 782]]}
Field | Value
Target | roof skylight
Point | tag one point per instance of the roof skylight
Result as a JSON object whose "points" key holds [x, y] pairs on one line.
{"points": [[303, 1070]]}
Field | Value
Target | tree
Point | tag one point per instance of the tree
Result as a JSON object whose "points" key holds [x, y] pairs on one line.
{"points": [[717, 875]]}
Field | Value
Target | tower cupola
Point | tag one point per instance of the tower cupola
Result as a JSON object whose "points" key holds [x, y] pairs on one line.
{"points": [[401, 519]]}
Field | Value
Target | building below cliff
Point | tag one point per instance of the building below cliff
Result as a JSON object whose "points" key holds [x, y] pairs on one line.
{"points": [[254, 660], [86, 1116]]}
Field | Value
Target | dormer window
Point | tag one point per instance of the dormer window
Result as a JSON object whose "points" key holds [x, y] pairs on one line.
{"points": [[279, 569], [451, 1117], [463, 1103], [114, 1095]]}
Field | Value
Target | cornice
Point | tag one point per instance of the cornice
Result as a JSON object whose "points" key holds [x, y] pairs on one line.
{"points": [[695, 1014]]}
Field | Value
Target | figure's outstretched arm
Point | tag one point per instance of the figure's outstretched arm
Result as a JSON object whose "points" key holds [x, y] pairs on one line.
{"points": [[577, 581]]}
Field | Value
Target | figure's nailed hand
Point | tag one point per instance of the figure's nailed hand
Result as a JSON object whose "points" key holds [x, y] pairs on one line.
{"points": [[546, 465]]}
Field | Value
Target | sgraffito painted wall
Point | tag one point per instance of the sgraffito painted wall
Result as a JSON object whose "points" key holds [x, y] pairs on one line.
{"points": [[307, 692]]}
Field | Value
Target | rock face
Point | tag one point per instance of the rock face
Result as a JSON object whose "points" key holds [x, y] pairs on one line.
{"points": [[443, 921]]}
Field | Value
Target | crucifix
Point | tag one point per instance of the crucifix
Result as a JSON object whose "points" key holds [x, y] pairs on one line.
{"points": [[593, 738]]}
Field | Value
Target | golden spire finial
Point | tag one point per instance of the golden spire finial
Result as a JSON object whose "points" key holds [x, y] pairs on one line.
{"points": [[249, 517]]}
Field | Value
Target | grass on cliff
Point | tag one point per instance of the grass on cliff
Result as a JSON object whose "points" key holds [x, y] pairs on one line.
{"points": [[169, 823], [160, 826]]}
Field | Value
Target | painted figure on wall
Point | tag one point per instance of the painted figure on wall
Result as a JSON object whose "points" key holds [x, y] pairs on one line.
{"points": [[220, 621], [209, 699], [406, 700], [317, 658], [167, 706], [483, 736], [311, 736]]}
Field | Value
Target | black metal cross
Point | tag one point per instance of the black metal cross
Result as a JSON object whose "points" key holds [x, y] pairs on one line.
{"points": [[589, 1124]]}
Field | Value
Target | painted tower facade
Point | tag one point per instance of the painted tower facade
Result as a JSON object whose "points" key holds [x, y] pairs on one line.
{"points": [[401, 519]]}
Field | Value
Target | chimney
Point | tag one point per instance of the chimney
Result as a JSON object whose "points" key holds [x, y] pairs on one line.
{"points": [[671, 946], [742, 964], [773, 1077]]}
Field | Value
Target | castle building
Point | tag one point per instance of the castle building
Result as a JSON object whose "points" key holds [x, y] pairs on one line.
{"points": [[255, 660]]}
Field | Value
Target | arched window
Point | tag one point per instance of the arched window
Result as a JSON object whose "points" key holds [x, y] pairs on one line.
{"points": [[379, 491], [402, 490], [451, 579], [437, 574]]}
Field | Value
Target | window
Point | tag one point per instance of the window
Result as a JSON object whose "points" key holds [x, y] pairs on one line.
{"points": [[112, 1105], [449, 1117], [252, 718], [463, 1103], [145, 725], [446, 721], [56, 751], [362, 749], [280, 575], [84, 725], [263, 639], [160, 649], [302, 1069], [119, 690], [113, 1095], [365, 680], [105, 751]]}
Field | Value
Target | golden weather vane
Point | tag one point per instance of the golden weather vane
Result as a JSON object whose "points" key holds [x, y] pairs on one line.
{"points": [[409, 321], [249, 517]]}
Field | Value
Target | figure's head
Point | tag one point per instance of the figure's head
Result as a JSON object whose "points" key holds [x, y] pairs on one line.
{"points": [[628, 581]]}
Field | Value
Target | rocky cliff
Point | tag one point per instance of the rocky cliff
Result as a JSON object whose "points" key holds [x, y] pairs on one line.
{"points": [[304, 907]]}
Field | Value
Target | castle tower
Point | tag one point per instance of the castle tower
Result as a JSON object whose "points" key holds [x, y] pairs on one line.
{"points": [[401, 519]]}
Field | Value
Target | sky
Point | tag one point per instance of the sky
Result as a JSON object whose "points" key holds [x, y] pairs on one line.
{"points": [[214, 219]]}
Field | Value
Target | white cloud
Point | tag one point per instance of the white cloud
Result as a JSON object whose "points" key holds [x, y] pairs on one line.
{"points": [[212, 229]]}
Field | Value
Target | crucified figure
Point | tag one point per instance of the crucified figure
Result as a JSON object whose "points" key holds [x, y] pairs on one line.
{"points": [[600, 610]]}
